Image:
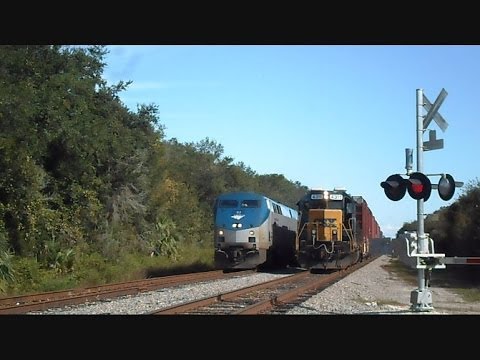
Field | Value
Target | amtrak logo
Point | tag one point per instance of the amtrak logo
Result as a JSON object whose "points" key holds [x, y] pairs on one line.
{"points": [[237, 216]]}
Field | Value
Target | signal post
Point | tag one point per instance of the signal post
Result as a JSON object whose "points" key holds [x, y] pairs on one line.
{"points": [[419, 245], [421, 298]]}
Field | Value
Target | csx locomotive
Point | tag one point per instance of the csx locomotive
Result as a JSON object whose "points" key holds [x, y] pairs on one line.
{"points": [[334, 229], [251, 230]]}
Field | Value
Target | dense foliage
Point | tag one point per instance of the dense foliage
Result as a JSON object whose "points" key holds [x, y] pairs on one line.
{"points": [[86, 183]]}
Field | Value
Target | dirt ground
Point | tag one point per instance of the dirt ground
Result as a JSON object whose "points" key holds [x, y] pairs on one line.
{"points": [[445, 286]]}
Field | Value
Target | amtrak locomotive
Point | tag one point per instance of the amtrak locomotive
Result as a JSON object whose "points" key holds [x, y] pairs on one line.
{"points": [[252, 230]]}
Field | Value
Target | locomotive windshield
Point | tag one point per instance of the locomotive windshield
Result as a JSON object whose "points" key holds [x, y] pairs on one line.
{"points": [[324, 204], [323, 200], [228, 203], [250, 203]]}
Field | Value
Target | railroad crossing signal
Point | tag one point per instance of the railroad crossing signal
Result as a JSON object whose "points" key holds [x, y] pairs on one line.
{"points": [[419, 186]]}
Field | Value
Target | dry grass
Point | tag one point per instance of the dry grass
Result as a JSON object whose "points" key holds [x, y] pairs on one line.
{"points": [[461, 281]]}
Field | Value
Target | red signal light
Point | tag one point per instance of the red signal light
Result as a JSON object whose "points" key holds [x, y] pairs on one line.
{"points": [[419, 186]]}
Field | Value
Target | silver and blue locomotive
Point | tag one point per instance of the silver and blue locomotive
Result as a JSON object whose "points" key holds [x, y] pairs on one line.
{"points": [[252, 230]]}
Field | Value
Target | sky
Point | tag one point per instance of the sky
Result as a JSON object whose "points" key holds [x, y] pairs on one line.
{"points": [[323, 115]]}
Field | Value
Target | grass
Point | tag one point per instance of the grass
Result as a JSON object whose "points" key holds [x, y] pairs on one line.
{"points": [[465, 282], [389, 302], [93, 269], [402, 271], [469, 295]]}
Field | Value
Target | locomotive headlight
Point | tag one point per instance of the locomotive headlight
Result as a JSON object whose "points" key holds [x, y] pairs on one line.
{"points": [[220, 232], [251, 232], [239, 225]]}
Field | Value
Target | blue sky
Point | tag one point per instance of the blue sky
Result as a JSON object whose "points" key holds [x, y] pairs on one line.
{"points": [[324, 115]]}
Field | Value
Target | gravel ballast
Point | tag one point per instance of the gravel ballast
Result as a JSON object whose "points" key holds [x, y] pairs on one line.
{"points": [[370, 290], [374, 290]]}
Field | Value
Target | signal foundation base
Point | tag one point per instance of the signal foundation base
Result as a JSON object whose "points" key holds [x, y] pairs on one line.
{"points": [[421, 300]]}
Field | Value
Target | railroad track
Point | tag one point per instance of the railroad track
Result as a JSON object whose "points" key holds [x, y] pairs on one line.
{"points": [[268, 297], [36, 302]]}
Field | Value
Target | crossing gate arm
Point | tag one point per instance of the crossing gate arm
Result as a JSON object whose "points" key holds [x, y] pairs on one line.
{"points": [[455, 260]]}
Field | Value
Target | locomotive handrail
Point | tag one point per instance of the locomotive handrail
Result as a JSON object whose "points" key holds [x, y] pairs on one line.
{"points": [[325, 246], [299, 232], [350, 234]]}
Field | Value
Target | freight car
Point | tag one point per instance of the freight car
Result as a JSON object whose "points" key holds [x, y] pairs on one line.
{"points": [[334, 230], [252, 230]]}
